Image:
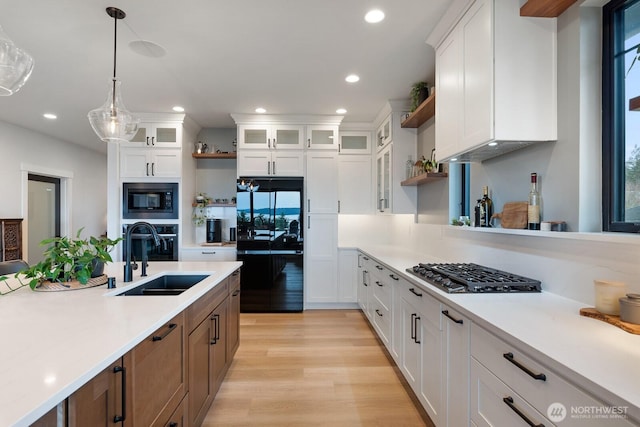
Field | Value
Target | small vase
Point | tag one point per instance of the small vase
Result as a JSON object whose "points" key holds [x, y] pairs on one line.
{"points": [[98, 268]]}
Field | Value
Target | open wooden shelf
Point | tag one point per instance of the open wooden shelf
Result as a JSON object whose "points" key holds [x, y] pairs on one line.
{"points": [[424, 178], [545, 8], [424, 112], [634, 104], [214, 155]]}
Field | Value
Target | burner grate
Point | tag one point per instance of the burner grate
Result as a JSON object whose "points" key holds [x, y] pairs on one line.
{"points": [[474, 278]]}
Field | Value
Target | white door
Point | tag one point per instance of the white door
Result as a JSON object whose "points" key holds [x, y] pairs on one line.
{"points": [[321, 250], [44, 214], [287, 163], [355, 184], [322, 182]]}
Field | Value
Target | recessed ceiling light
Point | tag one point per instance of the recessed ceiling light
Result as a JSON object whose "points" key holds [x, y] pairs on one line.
{"points": [[178, 109], [492, 144], [374, 16], [341, 111], [260, 110], [454, 159], [50, 116], [352, 78]]}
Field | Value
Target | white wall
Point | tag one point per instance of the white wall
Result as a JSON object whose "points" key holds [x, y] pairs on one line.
{"points": [[23, 151]]}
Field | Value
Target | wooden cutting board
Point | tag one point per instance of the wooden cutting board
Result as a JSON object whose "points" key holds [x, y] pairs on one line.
{"points": [[513, 215], [632, 328]]}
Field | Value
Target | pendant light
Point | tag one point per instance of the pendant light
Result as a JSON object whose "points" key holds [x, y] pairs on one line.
{"points": [[16, 66], [113, 122]]}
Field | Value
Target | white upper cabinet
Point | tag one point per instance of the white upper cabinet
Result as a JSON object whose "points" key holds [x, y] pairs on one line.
{"points": [[322, 183], [270, 163], [270, 137], [384, 133], [322, 137], [161, 135], [496, 81], [355, 142]]}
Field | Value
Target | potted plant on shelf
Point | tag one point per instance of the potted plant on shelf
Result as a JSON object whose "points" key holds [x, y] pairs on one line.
{"points": [[68, 260], [419, 92]]}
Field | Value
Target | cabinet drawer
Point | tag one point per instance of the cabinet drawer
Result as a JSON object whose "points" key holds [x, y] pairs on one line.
{"points": [[517, 370], [493, 403], [200, 309], [381, 288], [381, 317], [425, 303]]}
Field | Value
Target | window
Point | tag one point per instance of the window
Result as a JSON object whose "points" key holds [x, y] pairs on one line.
{"points": [[621, 116]]}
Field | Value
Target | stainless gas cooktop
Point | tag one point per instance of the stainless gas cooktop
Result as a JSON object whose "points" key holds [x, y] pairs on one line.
{"points": [[473, 278]]}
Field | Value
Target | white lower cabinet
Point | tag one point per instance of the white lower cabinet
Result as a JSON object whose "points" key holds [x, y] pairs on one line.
{"points": [[347, 275], [510, 388], [321, 259], [462, 374], [457, 329], [364, 279]]}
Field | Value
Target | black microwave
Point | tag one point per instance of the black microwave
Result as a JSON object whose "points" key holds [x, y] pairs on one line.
{"points": [[150, 200]]}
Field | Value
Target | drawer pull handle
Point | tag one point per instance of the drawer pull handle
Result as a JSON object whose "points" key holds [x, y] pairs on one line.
{"points": [[120, 418], [379, 267], [509, 356], [509, 401], [171, 327], [394, 277], [378, 312], [208, 252], [172, 424], [415, 321], [446, 313], [379, 283], [236, 293], [413, 291]]}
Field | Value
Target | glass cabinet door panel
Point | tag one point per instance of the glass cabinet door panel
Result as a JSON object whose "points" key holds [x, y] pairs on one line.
{"points": [[287, 137], [255, 136], [166, 134]]}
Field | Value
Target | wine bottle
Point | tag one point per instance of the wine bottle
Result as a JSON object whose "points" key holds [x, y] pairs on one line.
{"points": [[486, 208], [476, 213], [533, 211]]}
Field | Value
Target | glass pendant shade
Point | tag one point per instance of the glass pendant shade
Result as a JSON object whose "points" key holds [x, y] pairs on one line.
{"points": [[16, 66], [113, 122]]}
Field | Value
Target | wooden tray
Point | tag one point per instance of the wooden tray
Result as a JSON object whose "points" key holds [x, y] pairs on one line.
{"points": [[632, 328], [70, 286]]}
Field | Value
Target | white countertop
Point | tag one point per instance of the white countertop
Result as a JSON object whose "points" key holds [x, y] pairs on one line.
{"points": [[601, 358], [54, 342]]}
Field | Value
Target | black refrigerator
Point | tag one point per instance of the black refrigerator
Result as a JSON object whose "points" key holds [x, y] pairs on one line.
{"points": [[270, 243]]}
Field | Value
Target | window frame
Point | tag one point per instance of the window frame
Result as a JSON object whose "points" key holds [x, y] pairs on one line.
{"points": [[613, 144]]}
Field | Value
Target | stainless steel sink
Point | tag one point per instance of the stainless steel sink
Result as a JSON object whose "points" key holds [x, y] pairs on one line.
{"points": [[170, 284]]}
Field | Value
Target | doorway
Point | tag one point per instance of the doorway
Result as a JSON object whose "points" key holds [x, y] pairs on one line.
{"points": [[43, 214]]}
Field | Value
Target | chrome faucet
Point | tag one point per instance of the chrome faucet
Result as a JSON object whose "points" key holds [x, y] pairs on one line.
{"points": [[128, 270]]}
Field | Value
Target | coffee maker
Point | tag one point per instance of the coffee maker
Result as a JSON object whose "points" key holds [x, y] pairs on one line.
{"points": [[214, 230]]}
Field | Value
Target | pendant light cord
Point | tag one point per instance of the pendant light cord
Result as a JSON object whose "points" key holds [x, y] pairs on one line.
{"points": [[115, 46]]}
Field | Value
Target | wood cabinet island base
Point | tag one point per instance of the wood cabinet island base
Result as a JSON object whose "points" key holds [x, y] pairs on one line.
{"points": [[171, 377]]}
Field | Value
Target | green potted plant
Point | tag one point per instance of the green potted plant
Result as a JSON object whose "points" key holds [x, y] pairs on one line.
{"points": [[68, 259], [419, 92]]}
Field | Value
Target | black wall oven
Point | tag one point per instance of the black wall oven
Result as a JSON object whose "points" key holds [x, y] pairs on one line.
{"points": [[150, 200], [141, 238]]}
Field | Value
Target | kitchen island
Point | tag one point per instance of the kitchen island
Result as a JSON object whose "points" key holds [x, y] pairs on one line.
{"points": [[55, 342], [593, 360]]}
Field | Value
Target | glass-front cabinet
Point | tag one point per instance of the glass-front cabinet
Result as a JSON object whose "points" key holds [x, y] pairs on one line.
{"points": [[322, 137], [355, 142], [383, 134], [270, 137], [383, 180], [157, 135]]}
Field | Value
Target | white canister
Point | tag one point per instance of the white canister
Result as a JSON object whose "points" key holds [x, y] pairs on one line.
{"points": [[608, 294]]}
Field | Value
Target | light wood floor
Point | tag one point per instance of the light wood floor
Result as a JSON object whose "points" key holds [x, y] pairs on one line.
{"points": [[317, 368]]}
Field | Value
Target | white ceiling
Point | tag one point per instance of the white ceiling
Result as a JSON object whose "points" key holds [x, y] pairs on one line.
{"points": [[222, 57]]}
